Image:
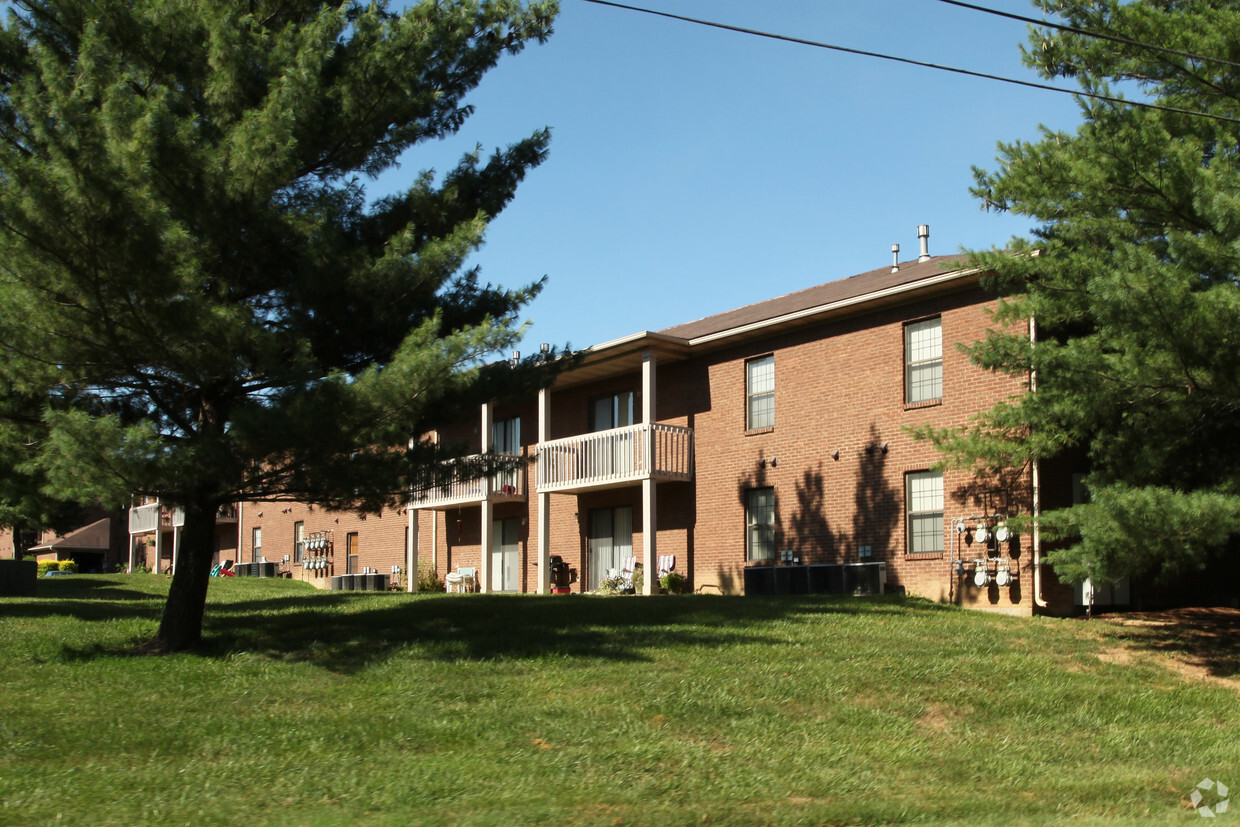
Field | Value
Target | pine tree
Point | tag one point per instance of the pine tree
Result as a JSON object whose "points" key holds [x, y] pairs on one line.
{"points": [[193, 282], [1131, 280]]}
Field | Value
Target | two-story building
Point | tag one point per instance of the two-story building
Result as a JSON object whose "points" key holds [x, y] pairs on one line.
{"points": [[768, 449]]}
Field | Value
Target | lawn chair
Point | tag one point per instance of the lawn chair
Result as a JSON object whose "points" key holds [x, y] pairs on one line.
{"points": [[627, 566], [461, 579], [667, 563]]}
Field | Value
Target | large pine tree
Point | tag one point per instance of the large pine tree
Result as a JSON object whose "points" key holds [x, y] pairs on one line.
{"points": [[193, 282], [1131, 278]]}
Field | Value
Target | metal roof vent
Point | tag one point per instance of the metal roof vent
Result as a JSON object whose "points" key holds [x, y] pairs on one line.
{"points": [[895, 258], [923, 235]]}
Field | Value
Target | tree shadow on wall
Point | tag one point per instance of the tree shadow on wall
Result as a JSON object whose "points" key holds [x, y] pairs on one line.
{"points": [[809, 532], [814, 541], [756, 479], [877, 504], [1004, 492]]}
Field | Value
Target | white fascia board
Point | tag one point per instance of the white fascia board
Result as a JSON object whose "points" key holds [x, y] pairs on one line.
{"points": [[826, 308]]}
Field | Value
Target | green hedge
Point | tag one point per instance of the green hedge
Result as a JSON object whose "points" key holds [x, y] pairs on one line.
{"points": [[45, 566]]}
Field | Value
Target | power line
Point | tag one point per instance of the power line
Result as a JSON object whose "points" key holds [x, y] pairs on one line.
{"points": [[1087, 33], [909, 61]]}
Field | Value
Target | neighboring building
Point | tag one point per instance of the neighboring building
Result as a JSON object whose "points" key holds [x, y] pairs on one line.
{"points": [[767, 448], [97, 547], [155, 534]]}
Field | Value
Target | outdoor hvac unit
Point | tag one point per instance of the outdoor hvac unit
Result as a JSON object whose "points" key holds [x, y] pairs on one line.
{"points": [[865, 578], [1104, 594]]}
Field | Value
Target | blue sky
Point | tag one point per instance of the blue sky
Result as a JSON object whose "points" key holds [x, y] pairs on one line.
{"points": [[693, 170]]}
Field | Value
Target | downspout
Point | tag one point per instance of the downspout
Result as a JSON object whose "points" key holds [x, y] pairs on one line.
{"points": [[1038, 599], [240, 516]]}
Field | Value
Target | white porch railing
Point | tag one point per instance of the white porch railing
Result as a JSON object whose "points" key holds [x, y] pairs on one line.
{"points": [[502, 486], [144, 518], [152, 516], [617, 456]]}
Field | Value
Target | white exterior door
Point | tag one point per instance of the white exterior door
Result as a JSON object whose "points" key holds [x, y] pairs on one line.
{"points": [[506, 555], [611, 540]]}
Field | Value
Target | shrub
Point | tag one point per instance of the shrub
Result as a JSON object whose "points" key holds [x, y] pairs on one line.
{"points": [[44, 566], [612, 585], [673, 582], [428, 581]]}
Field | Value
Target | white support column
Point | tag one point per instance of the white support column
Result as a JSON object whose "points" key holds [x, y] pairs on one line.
{"points": [[484, 567], [159, 535], [649, 500], [133, 555], [411, 552], [544, 499], [240, 529], [176, 547]]}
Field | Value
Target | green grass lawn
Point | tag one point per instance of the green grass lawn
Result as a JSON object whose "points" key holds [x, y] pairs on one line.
{"points": [[311, 707]]}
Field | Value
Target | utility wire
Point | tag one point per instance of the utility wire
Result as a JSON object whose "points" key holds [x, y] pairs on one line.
{"points": [[1087, 33], [818, 44]]}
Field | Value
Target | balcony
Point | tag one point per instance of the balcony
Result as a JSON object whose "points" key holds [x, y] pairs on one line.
{"points": [[621, 456], [466, 489], [146, 518], [154, 516]]}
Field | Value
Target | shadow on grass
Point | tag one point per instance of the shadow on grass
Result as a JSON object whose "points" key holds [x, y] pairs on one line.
{"points": [[99, 587], [488, 627], [346, 632], [1204, 637], [89, 597]]}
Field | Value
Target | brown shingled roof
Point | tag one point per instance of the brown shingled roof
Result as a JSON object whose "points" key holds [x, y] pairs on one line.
{"points": [[824, 294]]}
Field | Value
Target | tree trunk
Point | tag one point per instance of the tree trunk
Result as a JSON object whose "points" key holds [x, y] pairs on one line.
{"points": [[181, 627], [23, 539]]}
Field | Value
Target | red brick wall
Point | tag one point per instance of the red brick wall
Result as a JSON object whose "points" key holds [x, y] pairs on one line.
{"points": [[381, 538], [839, 387]]}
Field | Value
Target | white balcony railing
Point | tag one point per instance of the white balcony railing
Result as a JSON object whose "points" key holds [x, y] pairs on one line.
{"points": [[615, 457], [460, 489], [144, 518]]}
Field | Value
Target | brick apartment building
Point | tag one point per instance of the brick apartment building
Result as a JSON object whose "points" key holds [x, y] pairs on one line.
{"points": [[766, 448]]}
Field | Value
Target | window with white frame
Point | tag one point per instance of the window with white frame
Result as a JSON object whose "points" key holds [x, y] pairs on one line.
{"points": [[256, 544], [615, 410], [299, 540], [506, 436], [506, 441], [760, 524], [760, 393], [923, 360], [924, 497]]}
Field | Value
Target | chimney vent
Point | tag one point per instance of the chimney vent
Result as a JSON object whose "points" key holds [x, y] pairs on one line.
{"points": [[895, 258], [923, 235]]}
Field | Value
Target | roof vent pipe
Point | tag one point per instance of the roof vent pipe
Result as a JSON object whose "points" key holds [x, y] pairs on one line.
{"points": [[923, 235], [895, 258]]}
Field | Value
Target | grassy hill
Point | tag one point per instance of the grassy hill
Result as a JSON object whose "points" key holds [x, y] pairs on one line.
{"points": [[309, 707]]}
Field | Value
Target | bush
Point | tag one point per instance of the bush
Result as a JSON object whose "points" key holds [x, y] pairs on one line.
{"points": [[44, 566], [612, 585], [620, 585], [428, 581], [674, 583]]}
